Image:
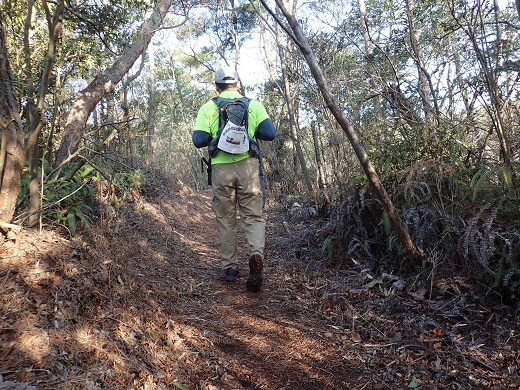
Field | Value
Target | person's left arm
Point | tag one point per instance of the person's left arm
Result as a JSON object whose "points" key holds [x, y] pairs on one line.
{"points": [[201, 138], [202, 134], [265, 129]]}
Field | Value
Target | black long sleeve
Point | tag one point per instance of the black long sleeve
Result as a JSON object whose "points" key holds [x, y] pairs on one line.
{"points": [[201, 138], [266, 130]]}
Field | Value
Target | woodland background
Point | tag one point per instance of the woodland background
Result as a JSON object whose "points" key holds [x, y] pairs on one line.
{"points": [[98, 101]]}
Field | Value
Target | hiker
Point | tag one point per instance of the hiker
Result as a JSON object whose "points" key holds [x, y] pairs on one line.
{"points": [[235, 168]]}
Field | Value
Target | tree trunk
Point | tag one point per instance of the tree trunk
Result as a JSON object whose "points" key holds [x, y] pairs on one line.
{"points": [[32, 117], [152, 107], [266, 51], [424, 77], [103, 83], [317, 154], [36, 101], [297, 35], [123, 97], [11, 151], [293, 120], [14, 150], [369, 50], [484, 57], [127, 132], [293, 114]]}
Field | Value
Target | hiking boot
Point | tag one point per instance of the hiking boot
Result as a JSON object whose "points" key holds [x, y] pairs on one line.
{"points": [[231, 274], [254, 282]]}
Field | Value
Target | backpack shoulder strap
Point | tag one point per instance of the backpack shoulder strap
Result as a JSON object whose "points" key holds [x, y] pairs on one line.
{"points": [[245, 100], [217, 100], [222, 103]]}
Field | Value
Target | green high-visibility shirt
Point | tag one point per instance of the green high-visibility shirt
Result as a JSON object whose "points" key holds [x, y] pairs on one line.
{"points": [[207, 120]]}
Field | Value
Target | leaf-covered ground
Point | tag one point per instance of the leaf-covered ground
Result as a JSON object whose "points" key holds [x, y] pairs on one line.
{"points": [[138, 302]]}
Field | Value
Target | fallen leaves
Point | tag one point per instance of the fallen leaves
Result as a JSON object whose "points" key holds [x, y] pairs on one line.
{"points": [[355, 337], [150, 311], [437, 333]]}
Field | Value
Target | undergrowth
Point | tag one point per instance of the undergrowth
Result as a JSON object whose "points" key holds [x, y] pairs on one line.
{"points": [[77, 196], [464, 220]]}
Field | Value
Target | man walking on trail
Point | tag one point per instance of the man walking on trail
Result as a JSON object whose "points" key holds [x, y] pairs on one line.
{"points": [[235, 170]]}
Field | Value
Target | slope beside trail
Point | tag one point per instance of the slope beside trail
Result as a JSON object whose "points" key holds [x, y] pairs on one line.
{"points": [[139, 302]]}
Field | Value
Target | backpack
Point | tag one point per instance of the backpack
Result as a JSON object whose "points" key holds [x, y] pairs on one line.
{"points": [[232, 136]]}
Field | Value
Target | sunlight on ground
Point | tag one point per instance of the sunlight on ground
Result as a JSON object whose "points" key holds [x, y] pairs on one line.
{"points": [[35, 344]]}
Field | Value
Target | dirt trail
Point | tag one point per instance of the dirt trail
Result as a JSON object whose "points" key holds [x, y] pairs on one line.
{"points": [[140, 303]]}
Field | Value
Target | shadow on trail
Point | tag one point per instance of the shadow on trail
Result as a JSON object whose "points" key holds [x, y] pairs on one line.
{"points": [[143, 306]]}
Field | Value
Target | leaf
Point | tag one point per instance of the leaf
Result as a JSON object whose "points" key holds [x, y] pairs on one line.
{"points": [[356, 337], [178, 385], [505, 173], [327, 248], [414, 383], [71, 221], [387, 223], [86, 170]]}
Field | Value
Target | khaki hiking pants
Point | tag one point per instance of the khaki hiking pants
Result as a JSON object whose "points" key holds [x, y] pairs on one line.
{"points": [[238, 184]]}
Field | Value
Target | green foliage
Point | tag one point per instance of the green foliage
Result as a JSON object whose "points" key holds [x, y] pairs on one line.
{"points": [[125, 180], [178, 385], [414, 383], [327, 248], [386, 223], [508, 270], [69, 216], [491, 181], [66, 201]]}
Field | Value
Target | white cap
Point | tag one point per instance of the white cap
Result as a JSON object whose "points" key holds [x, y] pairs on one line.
{"points": [[226, 75]]}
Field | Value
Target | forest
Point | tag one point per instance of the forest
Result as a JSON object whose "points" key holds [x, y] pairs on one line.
{"points": [[393, 175]]}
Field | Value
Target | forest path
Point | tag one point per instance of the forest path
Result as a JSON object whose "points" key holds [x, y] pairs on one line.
{"points": [[139, 302]]}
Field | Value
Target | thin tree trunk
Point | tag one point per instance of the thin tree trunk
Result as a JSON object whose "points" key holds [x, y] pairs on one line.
{"points": [[369, 50], [293, 117], [491, 83], [34, 186], [317, 154], [235, 37], [266, 50], [36, 103], [110, 122], [127, 133], [152, 106], [299, 38], [32, 117], [123, 96], [89, 97], [425, 90]]}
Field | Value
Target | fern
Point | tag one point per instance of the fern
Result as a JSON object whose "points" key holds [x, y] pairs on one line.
{"points": [[478, 239]]}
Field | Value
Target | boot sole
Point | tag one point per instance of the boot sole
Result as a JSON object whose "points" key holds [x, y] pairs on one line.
{"points": [[254, 282]]}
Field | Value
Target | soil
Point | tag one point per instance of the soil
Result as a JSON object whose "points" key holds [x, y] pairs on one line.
{"points": [[138, 301]]}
